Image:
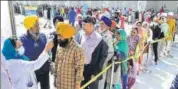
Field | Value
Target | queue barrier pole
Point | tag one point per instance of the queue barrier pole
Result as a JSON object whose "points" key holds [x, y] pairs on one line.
{"points": [[109, 66], [112, 74]]}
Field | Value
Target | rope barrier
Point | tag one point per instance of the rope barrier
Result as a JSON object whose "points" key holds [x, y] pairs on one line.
{"points": [[109, 66]]}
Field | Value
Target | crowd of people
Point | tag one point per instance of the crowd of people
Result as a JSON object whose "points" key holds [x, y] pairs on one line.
{"points": [[19, 8], [77, 51]]}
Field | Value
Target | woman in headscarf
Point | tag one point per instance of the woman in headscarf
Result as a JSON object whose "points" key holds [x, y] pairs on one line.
{"points": [[9, 50], [21, 71], [133, 40], [78, 23], [140, 29], [141, 34], [147, 31], [147, 39], [121, 48]]}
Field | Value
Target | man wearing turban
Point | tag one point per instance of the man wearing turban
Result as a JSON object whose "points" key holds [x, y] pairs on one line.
{"points": [[105, 24], [34, 43], [69, 63]]}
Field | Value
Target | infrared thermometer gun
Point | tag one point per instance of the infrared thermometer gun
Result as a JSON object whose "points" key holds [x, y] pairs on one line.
{"points": [[50, 38]]}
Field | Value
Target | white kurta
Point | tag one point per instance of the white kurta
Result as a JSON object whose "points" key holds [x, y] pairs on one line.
{"points": [[20, 71], [107, 37], [5, 80]]}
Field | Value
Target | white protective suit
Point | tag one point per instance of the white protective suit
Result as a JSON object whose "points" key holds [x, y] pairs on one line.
{"points": [[21, 72]]}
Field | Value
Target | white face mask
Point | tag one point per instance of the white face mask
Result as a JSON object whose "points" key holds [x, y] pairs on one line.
{"points": [[21, 50]]}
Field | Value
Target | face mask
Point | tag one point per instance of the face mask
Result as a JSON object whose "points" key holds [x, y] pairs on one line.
{"points": [[63, 43], [21, 50]]}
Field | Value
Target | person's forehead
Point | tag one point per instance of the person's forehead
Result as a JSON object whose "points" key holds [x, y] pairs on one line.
{"points": [[85, 23], [59, 35], [18, 40], [101, 21], [134, 28], [134, 31], [57, 20], [37, 22], [144, 24]]}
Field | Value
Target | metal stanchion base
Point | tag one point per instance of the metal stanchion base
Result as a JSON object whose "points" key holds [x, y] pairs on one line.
{"points": [[112, 74]]}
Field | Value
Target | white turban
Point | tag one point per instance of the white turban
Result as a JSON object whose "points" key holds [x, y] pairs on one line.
{"points": [[171, 13], [164, 14]]}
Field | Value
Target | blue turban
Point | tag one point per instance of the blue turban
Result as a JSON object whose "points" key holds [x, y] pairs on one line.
{"points": [[106, 20]]}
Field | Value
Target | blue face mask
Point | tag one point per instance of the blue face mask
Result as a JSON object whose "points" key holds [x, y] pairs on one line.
{"points": [[21, 50]]}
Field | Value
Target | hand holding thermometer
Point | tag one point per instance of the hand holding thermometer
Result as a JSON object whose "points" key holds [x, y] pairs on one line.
{"points": [[50, 38]]}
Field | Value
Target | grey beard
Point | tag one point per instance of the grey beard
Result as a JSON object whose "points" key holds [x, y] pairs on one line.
{"points": [[35, 36]]}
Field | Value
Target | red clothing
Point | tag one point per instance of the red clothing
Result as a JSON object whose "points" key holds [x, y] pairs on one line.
{"points": [[161, 10], [131, 82], [78, 11], [148, 19], [122, 19], [130, 9], [107, 9]]}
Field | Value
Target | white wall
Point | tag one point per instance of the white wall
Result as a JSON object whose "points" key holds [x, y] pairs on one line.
{"points": [[5, 21]]}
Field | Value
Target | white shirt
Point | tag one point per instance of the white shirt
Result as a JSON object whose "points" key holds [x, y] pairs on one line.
{"points": [[89, 43], [20, 71], [5, 79], [107, 37], [150, 38], [45, 14]]}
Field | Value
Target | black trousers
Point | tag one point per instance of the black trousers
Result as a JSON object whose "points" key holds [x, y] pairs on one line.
{"points": [[87, 77], [44, 80], [155, 49], [174, 37]]}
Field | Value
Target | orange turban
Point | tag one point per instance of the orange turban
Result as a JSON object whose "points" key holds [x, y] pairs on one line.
{"points": [[30, 21], [114, 24], [65, 30]]}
